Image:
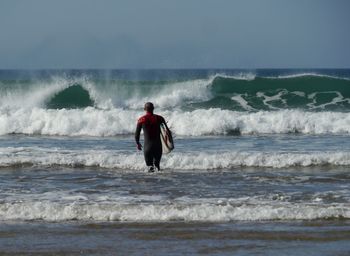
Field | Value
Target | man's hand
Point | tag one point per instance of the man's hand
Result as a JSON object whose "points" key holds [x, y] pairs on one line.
{"points": [[139, 146]]}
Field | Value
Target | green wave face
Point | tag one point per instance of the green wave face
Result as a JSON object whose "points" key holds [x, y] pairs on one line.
{"points": [[74, 96], [305, 92]]}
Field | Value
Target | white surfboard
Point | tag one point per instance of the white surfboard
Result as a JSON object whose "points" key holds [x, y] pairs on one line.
{"points": [[166, 139]]}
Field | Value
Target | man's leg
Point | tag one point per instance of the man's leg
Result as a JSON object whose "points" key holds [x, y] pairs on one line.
{"points": [[157, 157], [149, 159]]}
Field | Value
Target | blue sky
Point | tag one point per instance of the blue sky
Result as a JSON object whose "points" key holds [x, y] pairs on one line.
{"points": [[174, 34]]}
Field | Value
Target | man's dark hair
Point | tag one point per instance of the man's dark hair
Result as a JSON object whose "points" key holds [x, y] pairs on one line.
{"points": [[149, 107]]}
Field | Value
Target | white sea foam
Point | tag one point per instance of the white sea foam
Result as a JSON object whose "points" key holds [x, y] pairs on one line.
{"points": [[277, 97], [242, 102], [170, 211], [338, 99], [248, 76], [176, 161], [74, 122], [96, 122], [306, 74], [218, 122], [298, 93]]}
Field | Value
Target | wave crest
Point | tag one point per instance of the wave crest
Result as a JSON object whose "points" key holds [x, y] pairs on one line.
{"points": [[311, 91]]}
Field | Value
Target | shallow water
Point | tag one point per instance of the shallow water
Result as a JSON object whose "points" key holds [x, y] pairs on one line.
{"points": [[176, 238], [246, 210], [283, 177]]}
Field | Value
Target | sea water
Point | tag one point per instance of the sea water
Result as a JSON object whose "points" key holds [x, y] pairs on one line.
{"points": [[261, 164]]}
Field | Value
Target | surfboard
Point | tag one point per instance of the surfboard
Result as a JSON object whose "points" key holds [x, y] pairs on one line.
{"points": [[166, 139]]}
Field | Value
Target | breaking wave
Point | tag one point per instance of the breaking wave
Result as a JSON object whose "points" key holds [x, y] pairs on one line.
{"points": [[171, 211], [123, 160], [117, 121], [241, 92]]}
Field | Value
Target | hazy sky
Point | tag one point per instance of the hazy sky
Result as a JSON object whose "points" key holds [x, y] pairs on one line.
{"points": [[174, 34]]}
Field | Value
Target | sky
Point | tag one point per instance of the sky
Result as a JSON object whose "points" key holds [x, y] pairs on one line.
{"points": [[145, 34]]}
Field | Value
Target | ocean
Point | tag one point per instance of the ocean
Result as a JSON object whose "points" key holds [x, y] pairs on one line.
{"points": [[261, 164]]}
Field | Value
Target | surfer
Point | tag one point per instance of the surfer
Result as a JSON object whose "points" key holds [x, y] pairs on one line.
{"points": [[150, 123]]}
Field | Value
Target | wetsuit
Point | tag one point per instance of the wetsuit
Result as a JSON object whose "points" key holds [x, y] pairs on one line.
{"points": [[152, 148]]}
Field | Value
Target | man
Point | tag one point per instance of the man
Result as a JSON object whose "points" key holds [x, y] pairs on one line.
{"points": [[150, 123]]}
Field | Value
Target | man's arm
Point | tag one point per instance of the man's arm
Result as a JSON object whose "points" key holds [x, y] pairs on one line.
{"points": [[137, 135]]}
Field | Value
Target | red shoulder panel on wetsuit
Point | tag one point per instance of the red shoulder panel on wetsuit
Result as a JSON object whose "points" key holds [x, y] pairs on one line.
{"points": [[141, 120], [150, 123], [152, 119]]}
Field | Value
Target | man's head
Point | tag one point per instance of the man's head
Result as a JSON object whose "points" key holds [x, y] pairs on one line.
{"points": [[149, 107]]}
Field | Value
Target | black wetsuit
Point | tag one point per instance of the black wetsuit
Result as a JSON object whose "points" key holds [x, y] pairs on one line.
{"points": [[152, 148]]}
